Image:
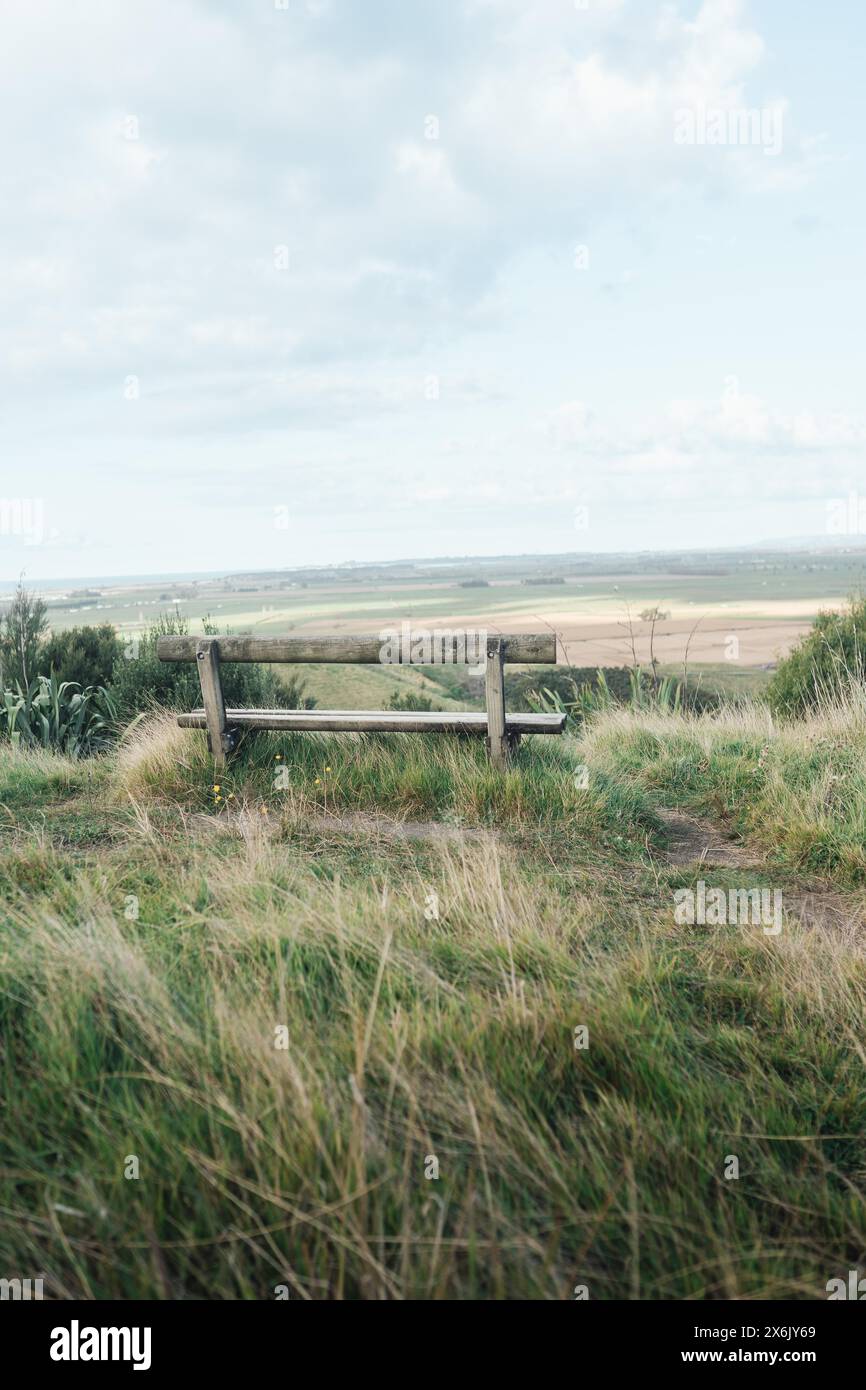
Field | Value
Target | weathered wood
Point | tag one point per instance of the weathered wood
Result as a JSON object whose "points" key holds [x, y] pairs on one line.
{"points": [[208, 660], [494, 691], [423, 647], [372, 721], [428, 647]]}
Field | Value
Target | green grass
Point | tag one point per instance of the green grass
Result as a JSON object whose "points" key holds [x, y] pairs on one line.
{"points": [[723, 678], [366, 687], [796, 788], [412, 1035]]}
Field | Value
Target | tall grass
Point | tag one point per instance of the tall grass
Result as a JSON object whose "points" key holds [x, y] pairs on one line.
{"points": [[401, 776], [796, 787], [590, 698], [430, 993]]}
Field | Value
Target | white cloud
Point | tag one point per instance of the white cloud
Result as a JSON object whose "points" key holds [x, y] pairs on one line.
{"points": [[162, 152], [253, 128], [734, 447]]}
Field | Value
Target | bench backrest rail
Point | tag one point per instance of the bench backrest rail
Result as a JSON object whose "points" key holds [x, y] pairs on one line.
{"points": [[434, 648]]}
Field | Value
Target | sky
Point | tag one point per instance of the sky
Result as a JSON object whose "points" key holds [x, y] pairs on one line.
{"points": [[293, 282]]}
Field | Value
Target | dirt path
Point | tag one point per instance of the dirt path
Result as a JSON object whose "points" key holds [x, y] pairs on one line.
{"points": [[696, 842], [692, 841]]}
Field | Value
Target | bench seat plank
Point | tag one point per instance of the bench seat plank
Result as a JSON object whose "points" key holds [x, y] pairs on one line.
{"points": [[378, 721]]}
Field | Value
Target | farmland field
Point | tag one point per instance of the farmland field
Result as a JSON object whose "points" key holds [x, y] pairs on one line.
{"points": [[732, 614]]}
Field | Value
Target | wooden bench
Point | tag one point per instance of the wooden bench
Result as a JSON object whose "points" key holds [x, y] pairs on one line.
{"points": [[502, 731]]}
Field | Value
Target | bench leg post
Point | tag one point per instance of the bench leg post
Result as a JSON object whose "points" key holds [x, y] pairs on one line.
{"points": [[208, 660], [494, 689]]}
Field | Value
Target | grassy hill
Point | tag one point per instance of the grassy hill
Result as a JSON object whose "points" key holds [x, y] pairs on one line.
{"points": [[287, 1004], [366, 687]]}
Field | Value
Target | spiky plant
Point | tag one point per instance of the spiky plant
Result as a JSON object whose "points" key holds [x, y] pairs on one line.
{"points": [[57, 714]]}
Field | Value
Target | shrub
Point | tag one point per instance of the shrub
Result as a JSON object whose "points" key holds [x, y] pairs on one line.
{"points": [[83, 655], [562, 680], [823, 665], [411, 700], [143, 681], [54, 714], [22, 628], [582, 689], [564, 694]]}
